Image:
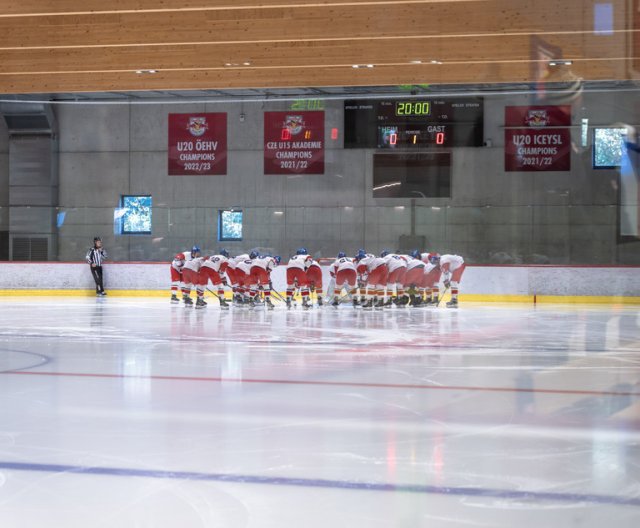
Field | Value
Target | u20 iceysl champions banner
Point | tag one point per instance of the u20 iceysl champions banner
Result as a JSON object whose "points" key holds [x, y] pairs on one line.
{"points": [[533, 139], [294, 142], [197, 144]]}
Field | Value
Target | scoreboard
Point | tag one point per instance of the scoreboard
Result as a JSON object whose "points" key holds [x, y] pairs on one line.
{"points": [[414, 123]]}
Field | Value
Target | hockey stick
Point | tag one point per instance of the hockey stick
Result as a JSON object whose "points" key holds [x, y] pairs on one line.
{"points": [[330, 290], [281, 298], [442, 296], [277, 294], [213, 293]]}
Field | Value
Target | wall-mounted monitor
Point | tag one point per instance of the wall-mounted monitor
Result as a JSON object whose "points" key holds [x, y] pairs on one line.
{"points": [[229, 225], [412, 175], [608, 147], [135, 215]]}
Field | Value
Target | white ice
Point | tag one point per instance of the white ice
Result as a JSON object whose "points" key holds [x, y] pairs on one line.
{"points": [[136, 413]]}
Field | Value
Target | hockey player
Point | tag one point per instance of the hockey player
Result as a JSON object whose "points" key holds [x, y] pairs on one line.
{"points": [[232, 275], [297, 276], [314, 279], [414, 278], [260, 276], [176, 276], [376, 271], [213, 270], [432, 274], [176, 272], [344, 272], [243, 276], [176, 268], [191, 277], [452, 267], [397, 267]]}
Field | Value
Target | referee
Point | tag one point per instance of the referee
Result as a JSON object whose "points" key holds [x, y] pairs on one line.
{"points": [[95, 256]]}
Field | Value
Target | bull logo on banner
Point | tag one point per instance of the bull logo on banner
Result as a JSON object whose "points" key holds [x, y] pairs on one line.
{"points": [[294, 124], [537, 118], [197, 126]]}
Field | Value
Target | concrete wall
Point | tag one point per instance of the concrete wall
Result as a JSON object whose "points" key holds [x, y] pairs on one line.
{"points": [[493, 216], [4, 176], [478, 280]]}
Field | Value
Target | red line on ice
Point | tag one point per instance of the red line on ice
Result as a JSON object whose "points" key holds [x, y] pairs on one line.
{"points": [[327, 383]]}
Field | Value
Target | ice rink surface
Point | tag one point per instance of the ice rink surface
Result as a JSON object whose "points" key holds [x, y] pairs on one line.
{"points": [[136, 413]]}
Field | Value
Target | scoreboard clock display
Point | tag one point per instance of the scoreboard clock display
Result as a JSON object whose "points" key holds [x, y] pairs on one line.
{"points": [[414, 123]]}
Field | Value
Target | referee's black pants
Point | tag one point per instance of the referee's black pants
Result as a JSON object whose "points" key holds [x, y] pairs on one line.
{"points": [[97, 276]]}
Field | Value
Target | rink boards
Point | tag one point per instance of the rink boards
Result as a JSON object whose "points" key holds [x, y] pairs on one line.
{"points": [[596, 284]]}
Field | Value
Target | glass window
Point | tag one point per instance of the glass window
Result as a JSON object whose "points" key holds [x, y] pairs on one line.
{"points": [[608, 145], [135, 215], [229, 225]]}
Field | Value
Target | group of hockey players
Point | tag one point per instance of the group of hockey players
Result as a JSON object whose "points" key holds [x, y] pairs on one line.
{"points": [[365, 280]]}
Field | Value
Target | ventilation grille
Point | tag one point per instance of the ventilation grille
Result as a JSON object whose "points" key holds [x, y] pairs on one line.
{"points": [[30, 248]]}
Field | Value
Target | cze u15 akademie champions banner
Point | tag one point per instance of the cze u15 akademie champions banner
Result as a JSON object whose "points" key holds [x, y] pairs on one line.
{"points": [[533, 139], [294, 142], [197, 144]]}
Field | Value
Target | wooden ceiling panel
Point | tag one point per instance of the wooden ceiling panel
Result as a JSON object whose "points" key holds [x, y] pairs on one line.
{"points": [[68, 45], [295, 77], [11, 8], [339, 22], [292, 54]]}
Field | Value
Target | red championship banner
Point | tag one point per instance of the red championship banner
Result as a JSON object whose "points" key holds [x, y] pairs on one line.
{"points": [[294, 142], [197, 144], [531, 141]]}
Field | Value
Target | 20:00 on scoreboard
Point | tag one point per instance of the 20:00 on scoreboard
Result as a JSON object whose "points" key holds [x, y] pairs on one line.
{"points": [[414, 123]]}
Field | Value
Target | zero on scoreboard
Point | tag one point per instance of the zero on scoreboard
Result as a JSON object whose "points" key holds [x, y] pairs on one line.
{"points": [[414, 124]]}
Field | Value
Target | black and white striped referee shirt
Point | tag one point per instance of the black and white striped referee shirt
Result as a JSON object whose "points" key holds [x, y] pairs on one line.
{"points": [[96, 256]]}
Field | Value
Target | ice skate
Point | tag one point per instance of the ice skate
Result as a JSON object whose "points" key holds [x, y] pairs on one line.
{"points": [[453, 303], [335, 303], [269, 304], [174, 299], [319, 300], [224, 305], [288, 302], [187, 301], [200, 303]]}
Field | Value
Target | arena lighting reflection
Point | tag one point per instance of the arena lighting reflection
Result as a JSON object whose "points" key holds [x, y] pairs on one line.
{"points": [[392, 184]]}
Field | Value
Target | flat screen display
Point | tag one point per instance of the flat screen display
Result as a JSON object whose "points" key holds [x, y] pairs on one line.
{"points": [[412, 175]]}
